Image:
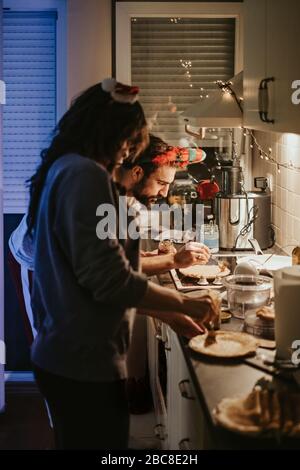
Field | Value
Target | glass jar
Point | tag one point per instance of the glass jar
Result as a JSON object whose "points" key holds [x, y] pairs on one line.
{"points": [[211, 236]]}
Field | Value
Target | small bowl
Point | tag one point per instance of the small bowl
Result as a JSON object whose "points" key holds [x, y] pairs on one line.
{"points": [[247, 268]]}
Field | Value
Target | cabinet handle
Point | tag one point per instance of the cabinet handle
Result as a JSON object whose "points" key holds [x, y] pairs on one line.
{"points": [[159, 432], [164, 341], [184, 391], [263, 100], [184, 444]]}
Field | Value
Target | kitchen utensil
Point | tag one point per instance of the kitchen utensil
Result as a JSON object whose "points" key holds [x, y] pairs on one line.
{"points": [[245, 293], [227, 344], [254, 243], [242, 217], [287, 311], [211, 335]]}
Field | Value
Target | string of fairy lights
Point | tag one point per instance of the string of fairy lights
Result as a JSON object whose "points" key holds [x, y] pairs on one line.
{"points": [[269, 155]]}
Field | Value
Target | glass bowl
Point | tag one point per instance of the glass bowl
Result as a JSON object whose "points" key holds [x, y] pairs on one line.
{"points": [[246, 293]]}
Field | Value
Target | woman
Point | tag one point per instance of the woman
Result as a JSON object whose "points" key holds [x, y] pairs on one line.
{"points": [[84, 287]]}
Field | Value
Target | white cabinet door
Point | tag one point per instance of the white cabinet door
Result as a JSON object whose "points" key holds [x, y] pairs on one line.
{"points": [[255, 67], [283, 62], [186, 423], [155, 344], [271, 50]]}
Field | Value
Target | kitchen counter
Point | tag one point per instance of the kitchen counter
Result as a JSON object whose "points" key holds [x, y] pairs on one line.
{"points": [[214, 380]]}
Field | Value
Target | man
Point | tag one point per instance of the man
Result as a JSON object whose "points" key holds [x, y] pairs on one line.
{"points": [[147, 179]]}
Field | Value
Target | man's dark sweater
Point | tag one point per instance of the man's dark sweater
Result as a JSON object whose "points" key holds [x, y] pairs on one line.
{"points": [[84, 288]]}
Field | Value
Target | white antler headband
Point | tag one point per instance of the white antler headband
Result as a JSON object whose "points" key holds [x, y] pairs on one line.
{"points": [[120, 92]]}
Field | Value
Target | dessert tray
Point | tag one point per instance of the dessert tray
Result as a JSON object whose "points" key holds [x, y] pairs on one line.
{"points": [[208, 271], [197, 277]]}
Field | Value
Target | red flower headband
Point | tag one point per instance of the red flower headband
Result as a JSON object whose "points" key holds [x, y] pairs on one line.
{"points": [[120, 92], [180, 156]]}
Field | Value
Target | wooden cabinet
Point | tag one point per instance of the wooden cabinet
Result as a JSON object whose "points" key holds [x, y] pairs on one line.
{"points": [[271, 65]]}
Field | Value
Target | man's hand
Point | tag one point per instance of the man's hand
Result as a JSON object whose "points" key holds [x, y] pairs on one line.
{"points": [[190, 254]]}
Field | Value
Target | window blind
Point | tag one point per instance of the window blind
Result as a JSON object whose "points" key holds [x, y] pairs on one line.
{"points": [[175, 61], [29, 116]]}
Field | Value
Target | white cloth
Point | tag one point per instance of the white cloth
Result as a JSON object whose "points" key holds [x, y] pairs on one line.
{"points": [[21, 245]]}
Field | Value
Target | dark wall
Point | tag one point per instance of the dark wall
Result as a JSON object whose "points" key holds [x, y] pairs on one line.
{"points": [[17, 348]]}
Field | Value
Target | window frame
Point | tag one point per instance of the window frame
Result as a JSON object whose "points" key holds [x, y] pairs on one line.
{"points": [[124, 11]]}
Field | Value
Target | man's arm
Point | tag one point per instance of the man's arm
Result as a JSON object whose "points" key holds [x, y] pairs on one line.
{"points": [[158, 264], [191, 253]]}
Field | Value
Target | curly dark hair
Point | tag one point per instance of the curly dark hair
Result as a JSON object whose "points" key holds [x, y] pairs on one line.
{"points": [[155, 147], [96, 127]]}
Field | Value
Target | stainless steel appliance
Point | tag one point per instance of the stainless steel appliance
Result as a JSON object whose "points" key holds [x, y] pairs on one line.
{"points": [[229, 179], [242, 217]]}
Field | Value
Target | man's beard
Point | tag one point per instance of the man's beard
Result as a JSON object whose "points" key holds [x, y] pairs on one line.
{"points": [[142, 198]]}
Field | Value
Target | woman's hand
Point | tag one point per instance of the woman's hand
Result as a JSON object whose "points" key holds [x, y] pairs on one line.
{"points": [[204, 308], [184, 325], [191, 253]]}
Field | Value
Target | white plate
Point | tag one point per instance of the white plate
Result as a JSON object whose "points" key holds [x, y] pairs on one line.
{"points": [[262, 262], [227, 344]]}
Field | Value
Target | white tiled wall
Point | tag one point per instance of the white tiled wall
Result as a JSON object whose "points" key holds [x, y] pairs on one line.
{"points": [[285, 185]]}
